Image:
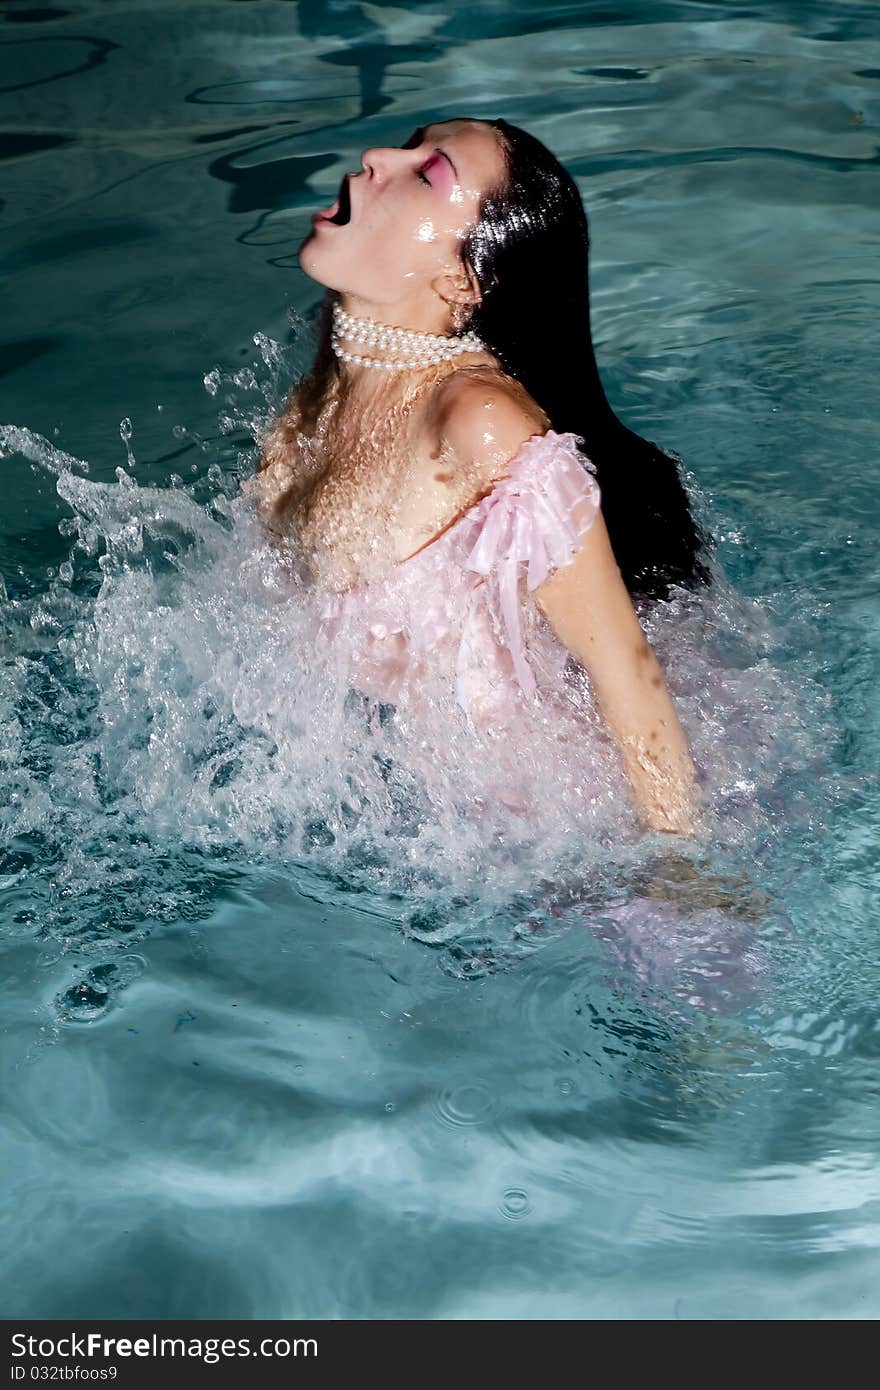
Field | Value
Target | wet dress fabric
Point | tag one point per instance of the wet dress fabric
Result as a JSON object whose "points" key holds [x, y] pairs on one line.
{"points": [[457, 614], [487, 704]]}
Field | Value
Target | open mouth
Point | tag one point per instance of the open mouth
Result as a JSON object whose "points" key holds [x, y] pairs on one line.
{"points": [[340, 213]]}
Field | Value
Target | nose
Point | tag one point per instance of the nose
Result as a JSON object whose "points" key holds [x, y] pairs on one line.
{"points": [[375, 160]]}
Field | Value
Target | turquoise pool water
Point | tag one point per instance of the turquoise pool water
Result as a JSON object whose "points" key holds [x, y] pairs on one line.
{"points": [[267, 1053]]}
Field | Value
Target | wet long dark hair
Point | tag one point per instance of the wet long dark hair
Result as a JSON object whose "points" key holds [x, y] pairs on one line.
{"points": [[529, 251]]}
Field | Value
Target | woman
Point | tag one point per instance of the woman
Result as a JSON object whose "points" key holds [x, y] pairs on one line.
{"points": [[428, 466]]}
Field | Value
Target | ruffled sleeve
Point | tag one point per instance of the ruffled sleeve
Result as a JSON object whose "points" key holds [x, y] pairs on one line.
{"points": [[532, 523]]}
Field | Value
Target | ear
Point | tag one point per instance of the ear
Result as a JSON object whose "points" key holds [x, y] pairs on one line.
{"points": [[457, 286]]}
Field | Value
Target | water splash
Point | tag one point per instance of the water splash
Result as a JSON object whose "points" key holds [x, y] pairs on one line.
{"points": [[125, 430], [165, 726]]}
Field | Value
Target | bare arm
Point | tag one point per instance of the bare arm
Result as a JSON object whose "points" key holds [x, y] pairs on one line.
{"points": [[588, 607]]}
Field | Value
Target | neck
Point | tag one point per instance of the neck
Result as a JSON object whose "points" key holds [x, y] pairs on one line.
{"points": [[416, 317], [361, 341]]}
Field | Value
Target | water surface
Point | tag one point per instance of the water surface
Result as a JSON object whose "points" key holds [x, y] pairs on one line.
{"points": [[258, 1062]]}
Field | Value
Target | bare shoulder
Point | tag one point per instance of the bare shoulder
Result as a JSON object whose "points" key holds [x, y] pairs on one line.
{"points": [[482, 417]]}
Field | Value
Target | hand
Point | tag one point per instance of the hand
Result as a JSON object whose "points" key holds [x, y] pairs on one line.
{"points": [[685, 883]]}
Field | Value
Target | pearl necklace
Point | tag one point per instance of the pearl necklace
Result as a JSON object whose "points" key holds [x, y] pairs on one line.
{"points": [[417, 349]]}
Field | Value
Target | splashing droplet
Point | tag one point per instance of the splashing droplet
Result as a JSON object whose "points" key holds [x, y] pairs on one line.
{"points": [[92, 995], [125, 435]]}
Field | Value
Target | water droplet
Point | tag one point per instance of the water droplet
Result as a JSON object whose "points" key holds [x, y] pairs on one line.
{"points": [[389, 1106], [91, 996], [515, 1204], [125, 433], [471, 1103], [564, 1085]]}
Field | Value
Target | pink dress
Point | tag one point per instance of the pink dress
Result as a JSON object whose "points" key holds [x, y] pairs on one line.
{"points": [[456, 614], [499, 732], [485, 711]]}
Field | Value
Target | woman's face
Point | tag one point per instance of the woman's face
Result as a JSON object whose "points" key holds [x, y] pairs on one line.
{"points": [[410, 210]]}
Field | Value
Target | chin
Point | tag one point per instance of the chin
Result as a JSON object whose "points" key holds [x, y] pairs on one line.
{"points": [[319, 267], [309, 258]]}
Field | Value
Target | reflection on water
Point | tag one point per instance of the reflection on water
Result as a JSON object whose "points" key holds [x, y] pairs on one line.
{"points": [[267, 993]]}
